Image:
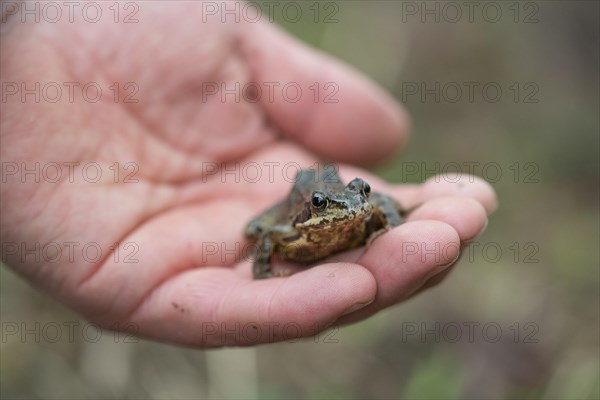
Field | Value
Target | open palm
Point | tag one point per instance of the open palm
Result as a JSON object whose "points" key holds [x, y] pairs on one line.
{"points": [[179, 180]]}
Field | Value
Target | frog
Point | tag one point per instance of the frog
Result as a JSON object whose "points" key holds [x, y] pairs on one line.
{"points": [[320, 217]]}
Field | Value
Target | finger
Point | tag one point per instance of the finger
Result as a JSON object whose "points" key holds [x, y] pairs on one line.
{"points": [[369, 123], [449, 185], [212, 307], [412, 195], [438, 278], [403, 259], [466, 215], [462, 202]]}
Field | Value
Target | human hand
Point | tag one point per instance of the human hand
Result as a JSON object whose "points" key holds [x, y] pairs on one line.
{"points": [[176, 290]]}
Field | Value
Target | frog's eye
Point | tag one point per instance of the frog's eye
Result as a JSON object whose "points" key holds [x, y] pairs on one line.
{"points": [[360, 186], [319, 200], [366, 188]]}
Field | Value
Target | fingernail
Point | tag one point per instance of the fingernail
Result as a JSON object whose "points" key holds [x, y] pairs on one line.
{"points": [[357, 307]]}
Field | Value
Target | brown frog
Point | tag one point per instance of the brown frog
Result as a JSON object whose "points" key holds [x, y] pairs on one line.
{"points": [[320, 217]]}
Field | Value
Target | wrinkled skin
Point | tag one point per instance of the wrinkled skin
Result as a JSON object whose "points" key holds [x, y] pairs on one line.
{"points": [[177, 287]]}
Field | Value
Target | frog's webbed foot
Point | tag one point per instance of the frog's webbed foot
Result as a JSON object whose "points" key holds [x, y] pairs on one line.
{"points": [[274, 274], [375, 235], [387, 210], [405, 212], [262, 264], [282, 273], [387, 214]]}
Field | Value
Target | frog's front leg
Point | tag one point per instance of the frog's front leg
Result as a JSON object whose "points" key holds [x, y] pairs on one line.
{"points": [[262, 264], [387, 214], [262, 223], [266, 248]]}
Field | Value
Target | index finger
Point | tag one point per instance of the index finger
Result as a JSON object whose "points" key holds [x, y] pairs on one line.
{"points": [[357, 113]]}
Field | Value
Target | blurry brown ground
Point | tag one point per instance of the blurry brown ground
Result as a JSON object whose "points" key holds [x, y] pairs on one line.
{"points": [[547, 293]]}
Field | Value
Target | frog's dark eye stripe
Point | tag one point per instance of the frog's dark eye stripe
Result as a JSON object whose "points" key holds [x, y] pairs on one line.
{"points": [[319, 200], [366, 188]]}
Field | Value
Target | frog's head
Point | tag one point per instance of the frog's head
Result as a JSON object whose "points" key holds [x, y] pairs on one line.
{"points": [[327, 209]]}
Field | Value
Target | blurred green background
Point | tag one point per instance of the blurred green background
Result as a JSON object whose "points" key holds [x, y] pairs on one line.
{"points": [[533, 309]]}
